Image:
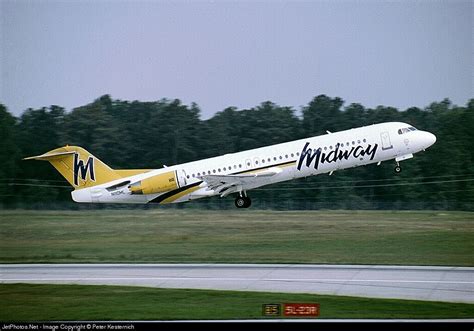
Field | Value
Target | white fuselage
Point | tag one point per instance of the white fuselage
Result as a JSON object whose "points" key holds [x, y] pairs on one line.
{"points": [[286, 161]]}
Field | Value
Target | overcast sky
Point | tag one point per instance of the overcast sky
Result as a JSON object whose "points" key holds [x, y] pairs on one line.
{"points": [[221, 54]]}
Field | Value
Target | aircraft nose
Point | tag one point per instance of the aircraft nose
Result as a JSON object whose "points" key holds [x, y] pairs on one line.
{"points": [[429, 139]]}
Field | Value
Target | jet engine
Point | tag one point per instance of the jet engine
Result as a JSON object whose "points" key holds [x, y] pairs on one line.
{"points": [[156, 184]]}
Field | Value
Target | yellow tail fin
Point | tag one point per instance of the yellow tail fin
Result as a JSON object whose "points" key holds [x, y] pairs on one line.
{"points": [[80, 168]]}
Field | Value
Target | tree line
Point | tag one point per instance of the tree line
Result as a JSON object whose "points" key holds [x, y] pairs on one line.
{"points": [[134, 134]]}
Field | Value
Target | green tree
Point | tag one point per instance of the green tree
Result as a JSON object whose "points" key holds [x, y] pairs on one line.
{"points": [[322, 114], [37, 132], [172, 134], [94, 128], [134, 134], [222, 133], [9, 154]]}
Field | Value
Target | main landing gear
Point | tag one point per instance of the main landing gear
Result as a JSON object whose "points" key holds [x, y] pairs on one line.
{"points": [[243, 201]]}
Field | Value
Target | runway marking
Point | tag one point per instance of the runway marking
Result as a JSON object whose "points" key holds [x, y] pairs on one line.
{"points": [[247, 279]]}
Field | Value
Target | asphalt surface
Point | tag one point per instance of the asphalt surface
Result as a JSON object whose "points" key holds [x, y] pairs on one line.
{"points": [[450, 284]]}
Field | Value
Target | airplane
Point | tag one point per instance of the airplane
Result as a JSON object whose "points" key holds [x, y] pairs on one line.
{"points": [[95, 182]]}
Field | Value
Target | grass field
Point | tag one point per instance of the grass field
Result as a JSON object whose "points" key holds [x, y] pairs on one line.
{"points": [[27, 302], [174, 236]]}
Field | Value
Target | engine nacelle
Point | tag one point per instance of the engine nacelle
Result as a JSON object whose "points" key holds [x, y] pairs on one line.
{"points": [[156, 184]]}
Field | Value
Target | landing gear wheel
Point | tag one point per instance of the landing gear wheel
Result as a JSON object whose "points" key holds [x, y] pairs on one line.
{"points": [[248, 202], [240, 202], [398, 169], [243, 202]]}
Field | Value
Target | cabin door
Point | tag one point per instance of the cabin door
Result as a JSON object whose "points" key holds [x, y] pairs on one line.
{"points": [[386, 143], [181, 178]]}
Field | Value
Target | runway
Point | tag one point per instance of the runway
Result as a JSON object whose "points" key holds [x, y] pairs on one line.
{"points": [[450, 284]]}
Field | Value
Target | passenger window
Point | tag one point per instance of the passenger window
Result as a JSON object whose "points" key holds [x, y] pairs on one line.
{"points": [[292, 155], [263, 160]]}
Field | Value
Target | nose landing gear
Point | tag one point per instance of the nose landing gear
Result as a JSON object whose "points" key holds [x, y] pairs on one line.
{"points": [[398, 169]]}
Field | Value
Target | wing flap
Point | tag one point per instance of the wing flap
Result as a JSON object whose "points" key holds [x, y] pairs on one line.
{"points": [[226, 184]]}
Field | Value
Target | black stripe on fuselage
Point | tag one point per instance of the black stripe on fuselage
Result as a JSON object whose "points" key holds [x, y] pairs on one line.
{"points": [[171, 193]]}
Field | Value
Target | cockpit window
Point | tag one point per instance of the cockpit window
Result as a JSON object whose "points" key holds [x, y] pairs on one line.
{"points": [[405, 130]]}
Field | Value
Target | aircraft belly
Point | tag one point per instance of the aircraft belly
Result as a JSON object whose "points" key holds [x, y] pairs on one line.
{"points": [[101, 195], [200, 193], [81, 196]]}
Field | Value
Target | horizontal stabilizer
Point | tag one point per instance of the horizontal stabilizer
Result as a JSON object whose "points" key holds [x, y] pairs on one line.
{"points": [[49, 156]]}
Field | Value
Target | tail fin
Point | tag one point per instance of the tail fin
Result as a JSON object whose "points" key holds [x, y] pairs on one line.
{"points": [[80, 168]]}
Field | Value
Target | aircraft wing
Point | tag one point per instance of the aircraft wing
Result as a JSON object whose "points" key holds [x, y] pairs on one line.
{"points": [[226, 184]]}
